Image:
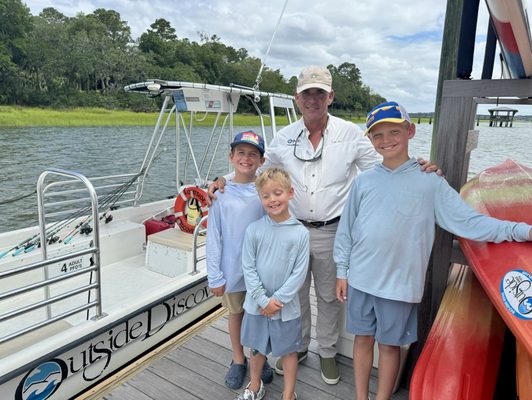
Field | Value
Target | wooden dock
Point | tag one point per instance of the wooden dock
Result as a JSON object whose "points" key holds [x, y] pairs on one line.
{"points": [[192, 366]]}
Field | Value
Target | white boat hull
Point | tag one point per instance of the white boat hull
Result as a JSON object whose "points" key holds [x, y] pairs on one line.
{"points": [[142, 307]]}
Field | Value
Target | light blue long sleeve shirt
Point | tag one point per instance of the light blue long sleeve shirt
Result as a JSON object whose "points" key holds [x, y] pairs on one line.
{"points": [[229, 216], [275, 259], [386, 231]]}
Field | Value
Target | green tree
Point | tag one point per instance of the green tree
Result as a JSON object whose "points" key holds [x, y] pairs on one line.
{"points": [[159, 43], [15, 25]]}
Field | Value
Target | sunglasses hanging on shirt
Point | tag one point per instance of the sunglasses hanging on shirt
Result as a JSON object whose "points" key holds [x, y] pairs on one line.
{"points": [[316, 156]]}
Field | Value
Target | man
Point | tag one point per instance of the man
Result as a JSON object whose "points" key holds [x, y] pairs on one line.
{"points": [[322, 154]]}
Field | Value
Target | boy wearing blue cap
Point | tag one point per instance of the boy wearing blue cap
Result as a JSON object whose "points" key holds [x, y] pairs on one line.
{"points": [[384, 240], [239, 205]]}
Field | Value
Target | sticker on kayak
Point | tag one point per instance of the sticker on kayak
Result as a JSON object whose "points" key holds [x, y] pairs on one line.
{"points": [[516, 292]]}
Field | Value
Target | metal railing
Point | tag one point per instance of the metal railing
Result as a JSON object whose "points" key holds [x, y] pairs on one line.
{"points": [[199, 230], [45, 284], [105, 187]]}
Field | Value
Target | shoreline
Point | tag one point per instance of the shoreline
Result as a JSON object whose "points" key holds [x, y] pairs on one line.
{"points": [[21, 116]]}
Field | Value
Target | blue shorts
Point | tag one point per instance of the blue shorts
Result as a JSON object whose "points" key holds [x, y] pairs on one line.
{"points": [[391, 322], [271, 335]]}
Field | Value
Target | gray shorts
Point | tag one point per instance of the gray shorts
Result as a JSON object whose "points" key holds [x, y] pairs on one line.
{"points": [[391, 322], [270, 335]]}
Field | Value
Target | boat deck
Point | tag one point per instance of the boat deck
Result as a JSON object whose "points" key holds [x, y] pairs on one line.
{"points": [[194, 369]]}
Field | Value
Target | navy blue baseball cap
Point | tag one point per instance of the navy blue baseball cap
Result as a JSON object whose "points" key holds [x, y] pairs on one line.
{"points": [[249, 137]]}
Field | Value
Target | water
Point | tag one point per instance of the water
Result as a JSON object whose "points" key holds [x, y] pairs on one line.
{"points": [[96, 151]]}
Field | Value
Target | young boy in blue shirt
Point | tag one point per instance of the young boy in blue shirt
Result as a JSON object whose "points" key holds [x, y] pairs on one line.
{"points": [[238, 206], [275, 260], [384, 240]]}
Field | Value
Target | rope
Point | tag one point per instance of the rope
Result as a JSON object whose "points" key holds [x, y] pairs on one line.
{"points": [[258, 80], [17, 198]]}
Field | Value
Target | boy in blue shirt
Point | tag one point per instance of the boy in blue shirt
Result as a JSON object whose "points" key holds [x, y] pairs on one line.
{"points": [[238, 206], [384, 240], [275, 260]]}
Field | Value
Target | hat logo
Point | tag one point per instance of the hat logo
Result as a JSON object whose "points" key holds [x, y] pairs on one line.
{"points": [[250, 137]]}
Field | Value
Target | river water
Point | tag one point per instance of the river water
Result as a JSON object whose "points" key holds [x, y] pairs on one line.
{"points": [[97, 151]]}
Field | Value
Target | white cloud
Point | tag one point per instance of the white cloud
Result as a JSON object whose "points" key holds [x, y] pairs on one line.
{"points": [[396, 45]]}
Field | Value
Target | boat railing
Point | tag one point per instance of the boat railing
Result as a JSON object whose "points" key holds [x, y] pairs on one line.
{"points": [[93, 286], [67, 197], [200, 229]]}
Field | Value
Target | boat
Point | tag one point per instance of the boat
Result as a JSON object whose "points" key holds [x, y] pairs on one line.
{"points": [[461, 358], [511, 25], [103, 277]]}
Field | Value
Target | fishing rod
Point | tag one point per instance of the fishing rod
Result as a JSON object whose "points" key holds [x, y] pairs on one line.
{"points": [[83, 227], [29, 244]]}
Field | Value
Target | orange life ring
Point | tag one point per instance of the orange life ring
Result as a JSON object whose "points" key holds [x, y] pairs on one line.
{"points": [[190, 206]]}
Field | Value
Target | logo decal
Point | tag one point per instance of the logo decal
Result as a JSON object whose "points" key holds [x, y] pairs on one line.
{"points": [[516, 293], [41, 382]]}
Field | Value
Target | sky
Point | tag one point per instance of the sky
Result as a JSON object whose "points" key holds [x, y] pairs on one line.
{"points": [[395, 44]]}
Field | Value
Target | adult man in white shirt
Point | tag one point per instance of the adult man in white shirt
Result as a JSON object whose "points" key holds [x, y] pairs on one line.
{"points": [[323, 154]]}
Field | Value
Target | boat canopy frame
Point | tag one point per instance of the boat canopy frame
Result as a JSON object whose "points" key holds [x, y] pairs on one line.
{"points": [[198, 100]]}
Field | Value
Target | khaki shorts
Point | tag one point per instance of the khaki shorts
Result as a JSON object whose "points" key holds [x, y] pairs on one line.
{"points": [[234, 302]]}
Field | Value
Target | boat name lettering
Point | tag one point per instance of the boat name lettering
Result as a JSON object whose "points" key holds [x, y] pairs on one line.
{"points": [[172, 308], [91, 359]]}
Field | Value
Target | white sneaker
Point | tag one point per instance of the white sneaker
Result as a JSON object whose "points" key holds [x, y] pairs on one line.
{"points": [[250, 395]]}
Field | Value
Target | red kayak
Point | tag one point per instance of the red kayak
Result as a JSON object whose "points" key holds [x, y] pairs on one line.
{"points": [[461, 357], [504, 270]]}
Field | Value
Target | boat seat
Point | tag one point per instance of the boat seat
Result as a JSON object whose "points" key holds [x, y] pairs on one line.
{"points": [[170, 252]]}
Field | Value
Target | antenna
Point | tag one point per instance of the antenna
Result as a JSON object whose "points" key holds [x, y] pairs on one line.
{"points": [[258, 80]]}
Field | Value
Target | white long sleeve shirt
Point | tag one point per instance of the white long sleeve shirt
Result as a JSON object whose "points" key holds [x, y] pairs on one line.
{"points": [[321, 187]]}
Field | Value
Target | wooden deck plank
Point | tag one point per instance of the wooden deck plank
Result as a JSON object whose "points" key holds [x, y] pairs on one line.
{"points": [[126, 391], [196, 369]]}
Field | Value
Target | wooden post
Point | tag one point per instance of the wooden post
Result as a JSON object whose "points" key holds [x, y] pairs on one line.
{"points": [[448, 58]]}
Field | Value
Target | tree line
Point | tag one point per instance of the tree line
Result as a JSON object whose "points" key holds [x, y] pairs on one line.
{"points": [[51, 60]]}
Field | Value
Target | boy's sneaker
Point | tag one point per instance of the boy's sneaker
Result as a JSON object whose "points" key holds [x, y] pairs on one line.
{"points": [[250, 395], [301, 355], [267, 373], [330, 372], [236, 374]]}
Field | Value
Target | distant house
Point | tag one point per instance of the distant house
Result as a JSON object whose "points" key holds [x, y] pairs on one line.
{"points": [[502, 115]]}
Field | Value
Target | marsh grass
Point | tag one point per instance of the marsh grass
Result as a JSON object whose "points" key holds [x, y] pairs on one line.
{"points": [[11, 116]]}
